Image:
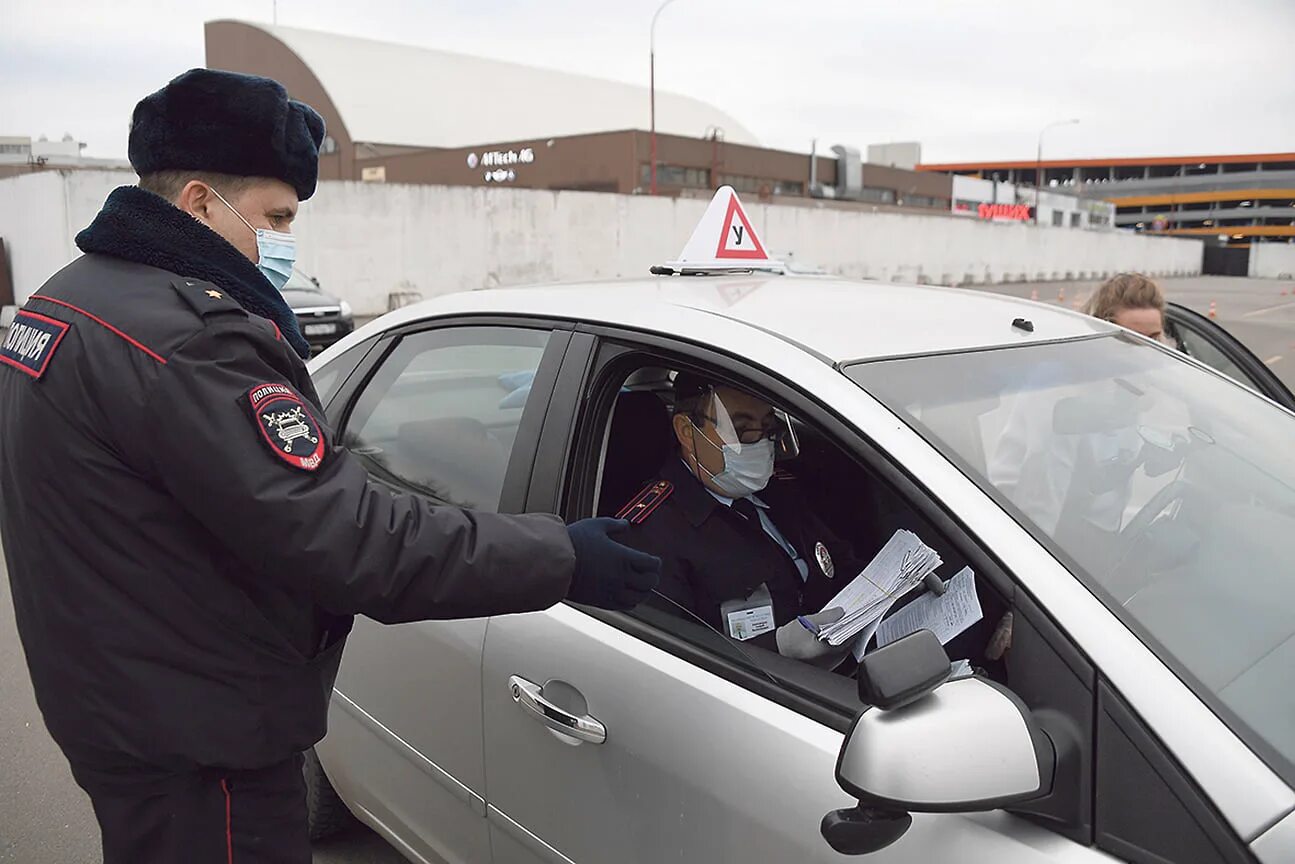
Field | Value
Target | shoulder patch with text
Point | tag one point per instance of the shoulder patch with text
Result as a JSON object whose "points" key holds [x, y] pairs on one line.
{"points": [[287, 425], [31, 341]]}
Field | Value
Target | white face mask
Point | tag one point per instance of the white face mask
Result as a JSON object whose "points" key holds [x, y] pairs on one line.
{"points": [[276, 250], [747, 467]]}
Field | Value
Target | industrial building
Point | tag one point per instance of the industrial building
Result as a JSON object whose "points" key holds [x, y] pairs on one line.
{"points": [[1236, 199], [401, 114], [21, 154]]}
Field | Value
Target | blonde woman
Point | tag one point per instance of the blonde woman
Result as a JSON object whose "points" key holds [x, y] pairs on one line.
{"points": [[1130, 300]]}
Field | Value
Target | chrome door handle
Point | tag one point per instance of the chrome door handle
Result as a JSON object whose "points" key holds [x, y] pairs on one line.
{"points": [[528, 695]]}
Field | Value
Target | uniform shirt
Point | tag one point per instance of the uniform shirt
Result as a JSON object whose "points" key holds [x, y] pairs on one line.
{"points": [[769, 528], [710, 555]]}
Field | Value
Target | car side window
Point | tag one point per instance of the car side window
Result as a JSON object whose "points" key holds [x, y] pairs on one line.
{"points": [[440, 415], [1197, 346], [329, 378], [829, 517]]}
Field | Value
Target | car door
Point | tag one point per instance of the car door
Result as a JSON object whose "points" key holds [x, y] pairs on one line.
{"points": [[450, 411], [683, 752], [1199, 337]]}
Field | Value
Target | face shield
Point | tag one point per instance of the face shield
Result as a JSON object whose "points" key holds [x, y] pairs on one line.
{"points": [[746, 433]]}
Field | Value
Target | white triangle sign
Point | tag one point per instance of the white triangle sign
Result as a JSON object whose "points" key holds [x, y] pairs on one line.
{"points": [[725, 239]]}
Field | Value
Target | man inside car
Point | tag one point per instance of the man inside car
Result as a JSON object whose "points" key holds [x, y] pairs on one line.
{"points": [[741, 548]]}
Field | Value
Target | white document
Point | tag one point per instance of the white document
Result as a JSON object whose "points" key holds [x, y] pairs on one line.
{"points": [[946, 615], [865, 638], [747, 624], [900, 565], [960, 669]]}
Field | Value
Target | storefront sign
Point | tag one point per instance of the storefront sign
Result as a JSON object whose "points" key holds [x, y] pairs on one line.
{"points": [[498, 160], [1012, 212], [525, 156]]}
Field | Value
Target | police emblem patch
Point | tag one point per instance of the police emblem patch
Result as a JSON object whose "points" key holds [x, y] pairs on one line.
{"points": [[287, 425], [824, 560]]}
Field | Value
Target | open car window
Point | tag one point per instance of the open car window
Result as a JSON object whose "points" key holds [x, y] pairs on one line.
{"points": [[850, 506]]}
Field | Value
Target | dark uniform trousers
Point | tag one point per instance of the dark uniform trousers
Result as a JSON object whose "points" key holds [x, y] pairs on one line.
{"points": [[710, 554], [208, 816]]}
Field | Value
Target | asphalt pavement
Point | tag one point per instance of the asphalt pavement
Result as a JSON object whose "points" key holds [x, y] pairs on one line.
{"points": [[45, 818]]}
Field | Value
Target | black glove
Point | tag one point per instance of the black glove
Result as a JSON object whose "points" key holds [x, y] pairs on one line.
{"points": [[609, 574]]}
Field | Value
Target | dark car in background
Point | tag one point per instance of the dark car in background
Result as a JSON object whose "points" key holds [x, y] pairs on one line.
{"points": [[323, 318]]}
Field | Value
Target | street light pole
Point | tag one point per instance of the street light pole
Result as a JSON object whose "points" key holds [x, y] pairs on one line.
{"points": [[652, 86], [1038, 163]]}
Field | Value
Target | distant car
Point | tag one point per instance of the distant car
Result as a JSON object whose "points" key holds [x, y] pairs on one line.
{"points": [[323, 318]]}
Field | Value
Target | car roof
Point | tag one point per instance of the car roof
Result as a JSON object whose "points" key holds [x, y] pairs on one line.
{"points": [[838, 319]]}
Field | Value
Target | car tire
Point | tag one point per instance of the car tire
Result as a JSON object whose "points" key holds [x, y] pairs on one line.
{"points": [[325, 812]]}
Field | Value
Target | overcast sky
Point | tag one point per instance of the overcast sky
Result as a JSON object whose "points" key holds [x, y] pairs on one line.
{"points": [[970, 80]]}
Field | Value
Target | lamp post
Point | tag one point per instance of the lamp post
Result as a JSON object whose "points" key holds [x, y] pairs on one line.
{"points": [[652, 86], [1038, 163]]}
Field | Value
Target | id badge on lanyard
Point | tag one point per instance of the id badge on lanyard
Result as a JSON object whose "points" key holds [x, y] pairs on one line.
{"points": [[748, 617]]}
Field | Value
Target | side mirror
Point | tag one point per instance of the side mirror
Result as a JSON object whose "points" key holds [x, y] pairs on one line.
{"points": [[962, 746]]}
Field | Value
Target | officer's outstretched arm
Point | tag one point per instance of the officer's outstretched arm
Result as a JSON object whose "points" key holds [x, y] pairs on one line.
{"points": [[252, 459]]}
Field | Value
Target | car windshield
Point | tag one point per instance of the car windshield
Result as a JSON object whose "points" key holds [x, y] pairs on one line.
{"points": [[1169, 489]]}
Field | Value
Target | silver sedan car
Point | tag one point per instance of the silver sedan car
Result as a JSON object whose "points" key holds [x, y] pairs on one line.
{"points": [[1128, 513]]}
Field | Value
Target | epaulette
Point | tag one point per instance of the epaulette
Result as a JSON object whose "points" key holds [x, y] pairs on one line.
{"points": [[641, 505], [204, 297]]}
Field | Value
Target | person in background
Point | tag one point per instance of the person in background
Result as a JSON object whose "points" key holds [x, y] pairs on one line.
{"points": [[1133, 301]]}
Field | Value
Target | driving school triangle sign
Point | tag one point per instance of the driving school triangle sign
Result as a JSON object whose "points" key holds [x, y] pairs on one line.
{"points": [[738, 239], [725, 239]]}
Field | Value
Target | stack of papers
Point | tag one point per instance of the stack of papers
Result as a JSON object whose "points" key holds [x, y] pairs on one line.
{"points": [[946, 615], [899, 567]]}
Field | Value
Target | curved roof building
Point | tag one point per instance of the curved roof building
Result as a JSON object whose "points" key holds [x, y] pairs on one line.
{"points": [[365, 89]]}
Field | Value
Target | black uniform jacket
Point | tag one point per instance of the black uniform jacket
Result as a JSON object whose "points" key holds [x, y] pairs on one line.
{"points": [[711, 555], [185, 540]]}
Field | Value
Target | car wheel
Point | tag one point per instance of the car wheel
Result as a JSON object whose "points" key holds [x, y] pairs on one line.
{"points": [[324, 809]]}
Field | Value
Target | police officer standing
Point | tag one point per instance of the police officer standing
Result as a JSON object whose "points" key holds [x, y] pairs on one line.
{"points": [[186, 540]]}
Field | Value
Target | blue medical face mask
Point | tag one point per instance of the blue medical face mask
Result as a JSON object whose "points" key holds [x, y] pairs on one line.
{"points": [[276, 250]]}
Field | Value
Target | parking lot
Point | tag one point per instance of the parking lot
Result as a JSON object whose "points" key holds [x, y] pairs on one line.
{"points": [[1259, 312], [45, 818]]}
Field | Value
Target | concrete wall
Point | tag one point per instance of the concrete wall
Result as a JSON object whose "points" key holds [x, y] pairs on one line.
{"points": [[40, 215], [1272, 260], [365, 241]]}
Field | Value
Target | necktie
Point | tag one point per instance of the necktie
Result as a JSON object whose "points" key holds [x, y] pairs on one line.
{"points": [[744, 508]]}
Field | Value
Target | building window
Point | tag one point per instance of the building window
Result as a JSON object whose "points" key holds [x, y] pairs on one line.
{"points": [[1098, 219], [1058, 218], [674, 175], [1074, 220], [757, 185], [921, 201], [879, 196]]}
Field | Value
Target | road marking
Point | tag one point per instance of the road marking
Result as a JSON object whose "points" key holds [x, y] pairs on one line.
{"points": [[1273, 359], [1269, 309]]}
